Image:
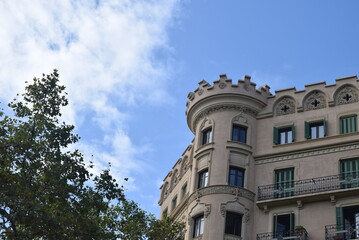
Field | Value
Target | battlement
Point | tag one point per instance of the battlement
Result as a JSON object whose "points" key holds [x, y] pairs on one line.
{"points": [[223, 86], [326, 95]]}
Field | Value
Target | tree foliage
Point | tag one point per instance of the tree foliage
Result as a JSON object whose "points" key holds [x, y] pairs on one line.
{"points": [[46, 190]]}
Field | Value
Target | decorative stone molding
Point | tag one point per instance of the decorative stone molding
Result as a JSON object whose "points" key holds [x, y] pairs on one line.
{"points": [[333, 200], [246, 215], [223, 209], [232, 237], [200, 92], [207, 210], [346, 95], [307, 153], [223, 107], [222, 85], [240, 119], [299, 204], [314, 100], [222, 189], [285, 106]]}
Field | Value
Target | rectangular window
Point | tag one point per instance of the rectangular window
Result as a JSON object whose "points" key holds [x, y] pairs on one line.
{"points": [[349, 173], [315, 130], [207, 136], [198, 226], [174, 203], [283, 135], [239, 133], [233, 223], [165, 213], [348, 124], [236, 176], [283, 224], [203, 178], [284, 182], [184, 190]]}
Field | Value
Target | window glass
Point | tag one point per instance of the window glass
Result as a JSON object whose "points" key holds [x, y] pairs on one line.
{"points": [[203, 178], [198, 226], [316, 130], [349, 173], [236, 176], [233, 223], [174, 203], [239, 133], [184, 190], [207, 136], [285, 135]]}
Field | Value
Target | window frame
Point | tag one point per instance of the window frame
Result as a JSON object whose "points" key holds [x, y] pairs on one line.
{"points": [[308, 126], [277, 139], [242, 130], [184, 190], [198, 226], [233, 226], [174, 203], [236, 175], [203, 178], [285, 185], [291, 222]]}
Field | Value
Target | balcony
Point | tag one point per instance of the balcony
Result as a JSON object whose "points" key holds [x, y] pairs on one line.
{"points": [[340, 232], [311, 186], [293, 235]]}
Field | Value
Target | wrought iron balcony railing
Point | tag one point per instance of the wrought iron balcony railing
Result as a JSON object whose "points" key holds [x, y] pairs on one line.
{"points": [[341, 232], [308, 186], [293, 235]]}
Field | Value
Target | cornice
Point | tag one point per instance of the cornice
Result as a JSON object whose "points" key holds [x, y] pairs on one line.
{"points": [[223, 107], [221, 189], [306, 153]]}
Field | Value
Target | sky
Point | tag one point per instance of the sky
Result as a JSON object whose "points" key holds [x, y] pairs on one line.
{"points": [[128, 66]]}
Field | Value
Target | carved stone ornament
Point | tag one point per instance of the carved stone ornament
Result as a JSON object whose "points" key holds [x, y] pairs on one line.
{"points": [[246, 216], [240, 119], [220, 108], [285, 106], [316, 100], [223, 209], [222, 85], [191, 96], [207, 210], [346, 95], [200, 92], [221, 189]]}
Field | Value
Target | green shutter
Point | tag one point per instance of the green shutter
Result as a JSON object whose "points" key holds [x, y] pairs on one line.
{"points": [[354, 123], [307, 130], [275, 135], [275, 224], [293, 133], [339, 217], [292, 222], [325, 127]]}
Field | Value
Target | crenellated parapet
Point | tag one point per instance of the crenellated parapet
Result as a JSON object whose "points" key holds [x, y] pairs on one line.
{"points": [[315, 96], [224, 94]]}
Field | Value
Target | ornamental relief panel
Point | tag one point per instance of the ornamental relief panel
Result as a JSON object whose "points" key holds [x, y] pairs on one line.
{"points": [[285, 106], [346, 95], [315, 100]]}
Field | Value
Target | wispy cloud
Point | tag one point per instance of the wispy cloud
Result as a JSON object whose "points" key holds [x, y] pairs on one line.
{"points": [[106, 55]]}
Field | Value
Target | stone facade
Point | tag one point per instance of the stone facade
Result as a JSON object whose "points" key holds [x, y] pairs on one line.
{"points": [[264, 166]]}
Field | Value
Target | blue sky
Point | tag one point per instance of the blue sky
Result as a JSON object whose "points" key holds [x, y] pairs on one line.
{"points": [[129, 64]]}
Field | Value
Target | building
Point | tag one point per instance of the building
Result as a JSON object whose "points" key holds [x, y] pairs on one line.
{"points": [[263, 166]]}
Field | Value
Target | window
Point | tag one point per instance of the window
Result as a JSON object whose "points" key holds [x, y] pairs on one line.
{"points": [[174, 202], [348, 124], [198, 226], [239, 133], [207, 136], [233, 223], [184, 190], [165, 213], [347, 219], [284, 182], [203, 178], [282, 224], [315, 130], [236, 176], [283, 135], [349, 173]]}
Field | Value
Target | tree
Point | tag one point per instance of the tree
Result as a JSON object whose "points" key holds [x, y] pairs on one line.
{"points": [[166, 229], [46, 190]]}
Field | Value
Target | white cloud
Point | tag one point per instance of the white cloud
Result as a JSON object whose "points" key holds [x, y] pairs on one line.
{"points": [[105, 53]]}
